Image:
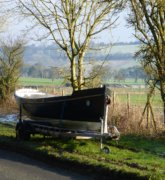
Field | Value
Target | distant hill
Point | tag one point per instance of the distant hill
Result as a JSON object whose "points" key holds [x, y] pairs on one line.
{"points": [[51, 55]]}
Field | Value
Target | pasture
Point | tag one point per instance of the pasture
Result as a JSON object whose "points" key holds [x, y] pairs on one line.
{"points": [[27, 81], [127, 81], [137, 98]]}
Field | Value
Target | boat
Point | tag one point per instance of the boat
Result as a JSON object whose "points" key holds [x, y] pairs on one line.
{"points": [[82, 110]]}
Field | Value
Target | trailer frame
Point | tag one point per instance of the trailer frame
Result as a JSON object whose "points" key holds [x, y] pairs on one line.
{"points": [[24, 129]]}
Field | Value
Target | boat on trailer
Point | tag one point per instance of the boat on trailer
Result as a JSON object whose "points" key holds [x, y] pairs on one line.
{"points": [[83, 113]]}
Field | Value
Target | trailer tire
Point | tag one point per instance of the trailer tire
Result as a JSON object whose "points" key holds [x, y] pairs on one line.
{"points": [[106, 150], [21, 132]]}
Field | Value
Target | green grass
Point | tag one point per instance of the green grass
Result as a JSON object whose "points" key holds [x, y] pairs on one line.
{"points": [[142, 157], [151, 145], [26, 81], [139, 99], [128, 81], [49, 82]]}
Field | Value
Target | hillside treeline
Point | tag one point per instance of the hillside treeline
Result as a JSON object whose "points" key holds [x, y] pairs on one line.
{"points": [[51, 55], [39, 71]]}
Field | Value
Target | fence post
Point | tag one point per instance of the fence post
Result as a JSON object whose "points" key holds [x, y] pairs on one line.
{"points": [[128, 103], [114, 99], [46, 89], [148, 118], [62, 92]]}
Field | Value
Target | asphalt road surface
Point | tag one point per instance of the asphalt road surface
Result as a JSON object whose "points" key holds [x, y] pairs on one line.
{"points": [[15, 166]]}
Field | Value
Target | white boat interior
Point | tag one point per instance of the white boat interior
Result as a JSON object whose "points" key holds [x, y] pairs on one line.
{"points": [[31, 93]]}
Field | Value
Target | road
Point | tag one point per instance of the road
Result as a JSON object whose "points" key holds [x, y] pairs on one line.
{"points": [[15, 166]]}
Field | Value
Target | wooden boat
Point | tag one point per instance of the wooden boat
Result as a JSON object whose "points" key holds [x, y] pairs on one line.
{"points": [[82, 110]]}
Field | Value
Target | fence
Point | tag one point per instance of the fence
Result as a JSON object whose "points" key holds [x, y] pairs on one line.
{"points": [[133, 109]]}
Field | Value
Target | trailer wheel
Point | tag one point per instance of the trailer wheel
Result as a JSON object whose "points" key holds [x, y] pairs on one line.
{"points": [[21, 132], [106, 150]]}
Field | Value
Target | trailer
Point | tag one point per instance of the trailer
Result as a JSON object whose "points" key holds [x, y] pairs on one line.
{"points": [[82, 115]]}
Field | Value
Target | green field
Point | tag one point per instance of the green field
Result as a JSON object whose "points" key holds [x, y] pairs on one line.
{"points": [[25, 81], [50, 82], [134, 156], [138, 99], [129, 81]]}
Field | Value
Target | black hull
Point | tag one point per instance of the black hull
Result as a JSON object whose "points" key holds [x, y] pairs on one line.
{"points": [[83, 109]]}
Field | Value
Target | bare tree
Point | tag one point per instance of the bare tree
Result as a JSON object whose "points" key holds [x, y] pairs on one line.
{"points": [[148, 18], [3, 16], [2, 23], [72, 24], [11, 56], [97, 75]]}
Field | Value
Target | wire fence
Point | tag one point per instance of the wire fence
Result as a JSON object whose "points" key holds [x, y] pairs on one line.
{"points": [[130, 111]]}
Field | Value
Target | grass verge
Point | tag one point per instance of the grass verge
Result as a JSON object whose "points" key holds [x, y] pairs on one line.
{"points": [[128, 160]]}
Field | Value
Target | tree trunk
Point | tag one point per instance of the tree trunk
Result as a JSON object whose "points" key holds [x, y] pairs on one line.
{"points": [[80, 72], [73, 75], [162, 87]]}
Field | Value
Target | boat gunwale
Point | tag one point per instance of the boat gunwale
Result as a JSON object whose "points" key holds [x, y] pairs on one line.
{"points": [[54, 99]]}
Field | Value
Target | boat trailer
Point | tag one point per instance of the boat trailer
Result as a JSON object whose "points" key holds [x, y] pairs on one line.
{"points": [[24, 129]]}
